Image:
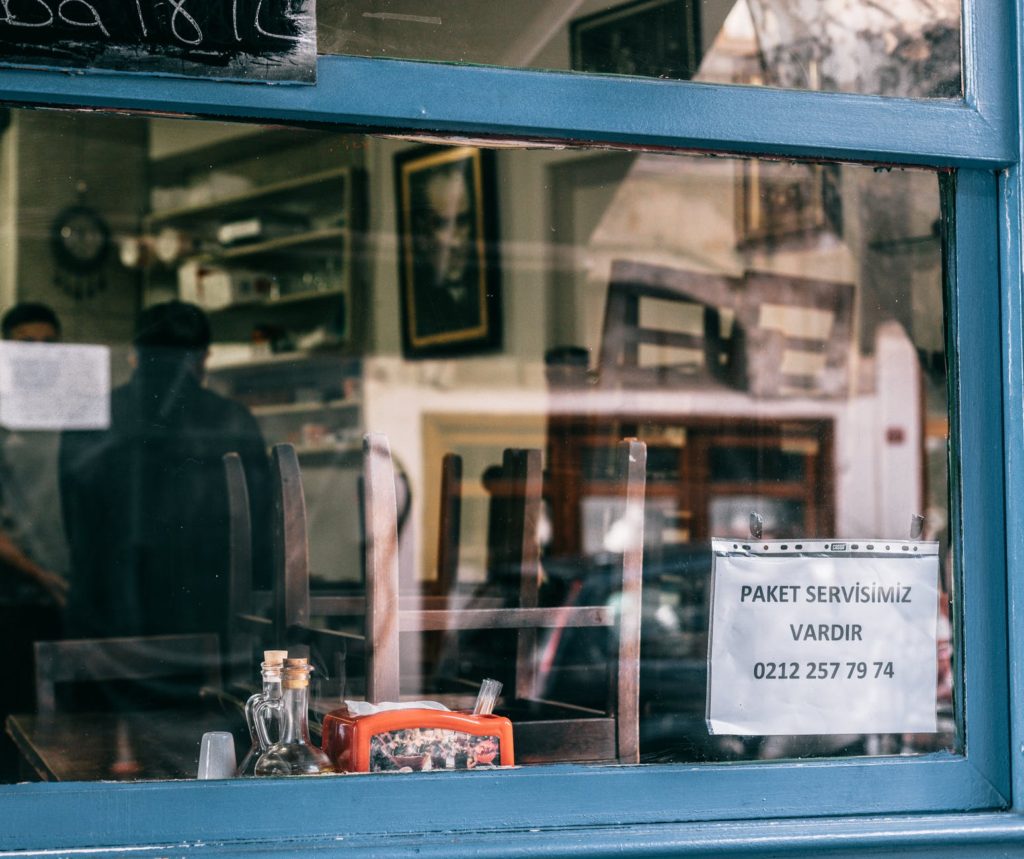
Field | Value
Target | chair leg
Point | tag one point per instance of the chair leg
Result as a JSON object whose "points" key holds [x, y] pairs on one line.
{"points": [[523, 471]]}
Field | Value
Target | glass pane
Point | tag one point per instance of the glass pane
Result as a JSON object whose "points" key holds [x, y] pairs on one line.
{"points": [[770, 334], [908, 48]]}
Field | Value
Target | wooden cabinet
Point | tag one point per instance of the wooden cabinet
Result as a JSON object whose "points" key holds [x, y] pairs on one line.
{"points": [[266, 232], [281, 262], [704, 477]]}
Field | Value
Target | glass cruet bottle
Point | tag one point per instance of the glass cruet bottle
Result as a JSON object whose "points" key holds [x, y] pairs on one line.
{"points": [[273, 660], [293, 753]]}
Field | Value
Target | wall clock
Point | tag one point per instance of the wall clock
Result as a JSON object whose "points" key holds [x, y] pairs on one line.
{"points": [[80, 240]]}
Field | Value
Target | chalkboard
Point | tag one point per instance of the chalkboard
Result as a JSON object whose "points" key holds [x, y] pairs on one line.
{"points": [[253, 40]]}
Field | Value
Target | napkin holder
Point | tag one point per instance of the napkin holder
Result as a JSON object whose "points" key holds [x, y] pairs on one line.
{"points": [[416, 740]]}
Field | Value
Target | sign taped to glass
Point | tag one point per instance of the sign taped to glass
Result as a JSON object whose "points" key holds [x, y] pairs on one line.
{"points": [[51, 386], [823, 637]]}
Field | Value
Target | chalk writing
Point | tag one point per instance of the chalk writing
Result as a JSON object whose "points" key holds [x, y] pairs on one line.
{"points": [[250, 39]]}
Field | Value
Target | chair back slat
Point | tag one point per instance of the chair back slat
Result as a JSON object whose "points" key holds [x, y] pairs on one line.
{"points": [[381, 518], [523, 467], [449, 529], [450, 620], [240, 577], [291, 546], [131, 658], [632, 472]]}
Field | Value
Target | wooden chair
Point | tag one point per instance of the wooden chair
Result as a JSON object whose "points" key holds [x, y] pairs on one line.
{"points": [[141, 658], [711, 358], [545, 731], [815, 331], [552, 732], [282, 617], [250, 627], [277, 618]]}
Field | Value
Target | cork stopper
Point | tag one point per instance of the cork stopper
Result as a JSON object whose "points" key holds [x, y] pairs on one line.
{"points": [[274, 657], [296, 673]]}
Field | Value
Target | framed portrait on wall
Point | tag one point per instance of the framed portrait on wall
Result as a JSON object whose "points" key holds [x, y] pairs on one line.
{"points": [[649, 38], [447, 248], [779, 202]]}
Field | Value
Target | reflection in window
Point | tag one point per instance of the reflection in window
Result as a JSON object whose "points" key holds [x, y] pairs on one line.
{"points": [[770, 334], [908, 48]]}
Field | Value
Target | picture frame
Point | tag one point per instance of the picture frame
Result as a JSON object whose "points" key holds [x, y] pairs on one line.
{"points": [[645, 38], [448, 251], [780, 203]]}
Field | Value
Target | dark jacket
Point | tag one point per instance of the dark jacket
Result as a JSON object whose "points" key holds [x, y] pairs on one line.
{"points": [[145, 508]]}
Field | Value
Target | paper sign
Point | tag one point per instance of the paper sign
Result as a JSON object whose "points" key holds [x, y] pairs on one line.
{"points": [[823, 638], [49, 386]]}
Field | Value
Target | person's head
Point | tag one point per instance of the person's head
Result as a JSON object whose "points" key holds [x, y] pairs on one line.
{"points": [[446, 226], [172, 334], [30, 322]]}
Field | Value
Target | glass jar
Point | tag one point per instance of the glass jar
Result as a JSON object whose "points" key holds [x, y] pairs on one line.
{"points": [[293, 753], [273, 661]]}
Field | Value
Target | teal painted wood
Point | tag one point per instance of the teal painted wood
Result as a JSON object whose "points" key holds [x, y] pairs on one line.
{"points": [[397, 95], [1012, 249], [1012, 207], [946, 837], [977, 480], [654, 811], [990, 50], [1012, 256], [69, 815]]}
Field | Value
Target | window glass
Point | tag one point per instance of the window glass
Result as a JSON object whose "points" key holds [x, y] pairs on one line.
{"points": [[909, 48], [426, 359]]}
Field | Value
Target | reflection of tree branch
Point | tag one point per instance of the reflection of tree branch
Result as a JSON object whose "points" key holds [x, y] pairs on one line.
{"points": [[888, 12], [863, 51]]}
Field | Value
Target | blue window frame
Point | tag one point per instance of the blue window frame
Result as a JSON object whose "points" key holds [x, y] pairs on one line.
{"points": [[667, 807]]}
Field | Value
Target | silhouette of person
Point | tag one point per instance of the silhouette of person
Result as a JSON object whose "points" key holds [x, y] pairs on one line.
{"points": [[33, 551], [32, 544], [145, 502]]}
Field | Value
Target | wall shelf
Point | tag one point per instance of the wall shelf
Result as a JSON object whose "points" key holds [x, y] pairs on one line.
{"points": [[304, 408], [292, 298], [273, 361], [299, 242], [321, 187]]}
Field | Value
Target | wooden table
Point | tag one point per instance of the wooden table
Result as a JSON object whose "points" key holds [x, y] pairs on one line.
{"points": [[158, 744]]}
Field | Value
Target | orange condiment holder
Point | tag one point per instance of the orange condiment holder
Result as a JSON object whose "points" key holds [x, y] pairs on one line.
{"points": [[416, 740]]}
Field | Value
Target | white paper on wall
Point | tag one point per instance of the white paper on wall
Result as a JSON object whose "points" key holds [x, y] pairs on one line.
{"points": [[54, 386], [831, 638]]}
